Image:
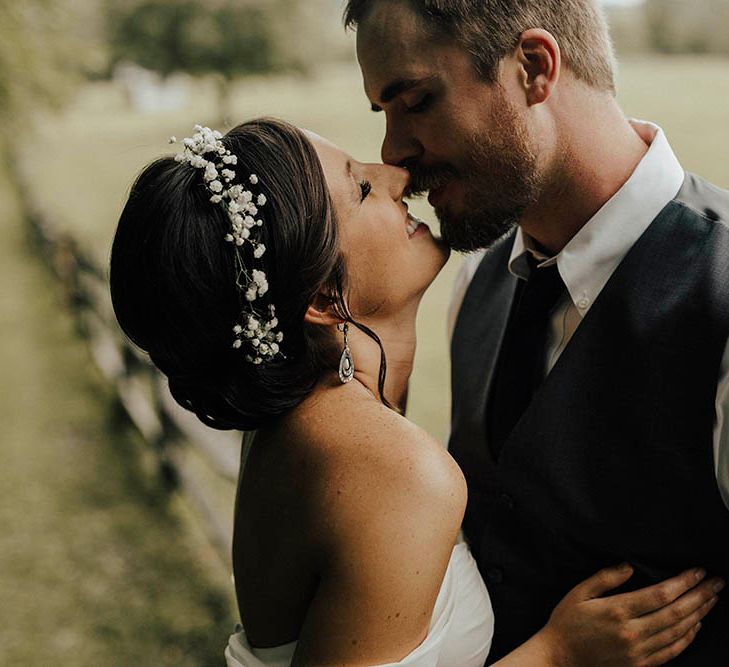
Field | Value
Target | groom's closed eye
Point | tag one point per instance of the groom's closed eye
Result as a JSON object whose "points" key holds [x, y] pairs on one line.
{"points": [[396, 88], [421, 105]]}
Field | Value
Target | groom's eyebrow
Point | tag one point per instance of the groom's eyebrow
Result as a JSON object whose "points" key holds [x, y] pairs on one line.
{"points": [[397, 87]]}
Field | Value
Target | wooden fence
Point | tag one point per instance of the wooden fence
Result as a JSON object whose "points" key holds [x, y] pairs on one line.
{"points": [[201, 462]]}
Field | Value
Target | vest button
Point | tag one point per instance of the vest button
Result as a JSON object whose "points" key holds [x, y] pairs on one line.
{"points": [[494, 575], [507, 501]]}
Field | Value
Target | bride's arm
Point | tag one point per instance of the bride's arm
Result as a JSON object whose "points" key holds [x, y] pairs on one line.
{"points": [[646, 627], [390, 504]]}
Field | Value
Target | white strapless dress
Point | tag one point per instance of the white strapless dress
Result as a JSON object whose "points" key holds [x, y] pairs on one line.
{"points": [[460, 631]]}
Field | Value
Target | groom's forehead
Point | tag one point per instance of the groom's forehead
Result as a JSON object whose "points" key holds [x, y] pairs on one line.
{"points": [[393, 44]]}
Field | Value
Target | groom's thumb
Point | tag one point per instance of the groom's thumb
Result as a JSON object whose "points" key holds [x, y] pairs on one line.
{"points": [[603, 581]]}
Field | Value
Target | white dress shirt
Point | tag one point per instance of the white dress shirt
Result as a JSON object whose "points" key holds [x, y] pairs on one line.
{"points": [[590, 258]]}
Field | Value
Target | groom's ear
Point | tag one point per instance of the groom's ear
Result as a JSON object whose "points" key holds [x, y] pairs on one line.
{"points": [[321, 311], [540, 58]]}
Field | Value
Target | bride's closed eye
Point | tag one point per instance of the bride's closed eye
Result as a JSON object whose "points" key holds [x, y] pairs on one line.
{"points": [[365, 188]]}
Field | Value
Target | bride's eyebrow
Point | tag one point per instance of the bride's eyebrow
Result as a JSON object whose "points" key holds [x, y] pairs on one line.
{"points": [[353, 180]]}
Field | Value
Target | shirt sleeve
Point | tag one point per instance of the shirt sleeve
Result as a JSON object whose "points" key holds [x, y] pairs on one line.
{"points": [[721, 430]]}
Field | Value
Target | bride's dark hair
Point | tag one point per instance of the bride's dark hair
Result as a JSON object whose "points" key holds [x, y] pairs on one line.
{"points": [[173, 278]]}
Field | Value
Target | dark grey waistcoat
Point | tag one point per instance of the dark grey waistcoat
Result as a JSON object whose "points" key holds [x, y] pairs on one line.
{"points": [[613, 459]]}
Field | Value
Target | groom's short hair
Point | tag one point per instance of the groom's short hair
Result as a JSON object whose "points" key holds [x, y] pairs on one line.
{"points": [[490, 29]]}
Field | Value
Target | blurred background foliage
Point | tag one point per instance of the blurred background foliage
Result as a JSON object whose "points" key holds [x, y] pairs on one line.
{"points": [[670, 26], [105, 569], [44, 53]]}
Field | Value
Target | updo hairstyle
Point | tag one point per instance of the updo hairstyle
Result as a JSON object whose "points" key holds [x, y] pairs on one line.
{"points": [[173, 277]]}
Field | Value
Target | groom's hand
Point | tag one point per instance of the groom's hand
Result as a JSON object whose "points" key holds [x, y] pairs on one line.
{"points": [[646, 627]]}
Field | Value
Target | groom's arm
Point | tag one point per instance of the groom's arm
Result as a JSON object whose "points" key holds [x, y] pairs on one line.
{"points": [[721, 430]]}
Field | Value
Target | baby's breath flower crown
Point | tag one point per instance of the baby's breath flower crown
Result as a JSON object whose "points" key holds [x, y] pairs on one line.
{"points": [[256, 327]]}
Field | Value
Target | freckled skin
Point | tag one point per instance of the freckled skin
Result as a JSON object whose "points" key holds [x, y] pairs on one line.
{"points": [[347, 513], [335, 556]]}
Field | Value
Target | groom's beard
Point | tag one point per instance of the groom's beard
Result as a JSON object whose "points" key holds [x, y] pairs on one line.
{"points": [[500, 179]]}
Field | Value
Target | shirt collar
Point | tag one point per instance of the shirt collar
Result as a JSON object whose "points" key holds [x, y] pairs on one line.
{"points": [[590, 258]]}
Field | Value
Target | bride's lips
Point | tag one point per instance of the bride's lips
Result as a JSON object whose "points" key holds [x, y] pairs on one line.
{"points": [[416, 227], [422, 229]]}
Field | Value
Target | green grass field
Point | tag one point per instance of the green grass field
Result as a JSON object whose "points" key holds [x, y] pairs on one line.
{"points": [[98, 566], [86, 158]]}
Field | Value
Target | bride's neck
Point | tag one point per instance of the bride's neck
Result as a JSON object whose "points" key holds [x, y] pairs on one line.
{"points": [[398, 338]]}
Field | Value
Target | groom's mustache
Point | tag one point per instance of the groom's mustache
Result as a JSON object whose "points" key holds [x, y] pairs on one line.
{"points": [[423, 179]]}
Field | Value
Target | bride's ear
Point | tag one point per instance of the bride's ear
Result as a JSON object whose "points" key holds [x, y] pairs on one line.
{"points": [[321, 312]]}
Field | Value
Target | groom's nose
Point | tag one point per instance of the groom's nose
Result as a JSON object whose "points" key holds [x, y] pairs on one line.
{"points": [[399, 147]]}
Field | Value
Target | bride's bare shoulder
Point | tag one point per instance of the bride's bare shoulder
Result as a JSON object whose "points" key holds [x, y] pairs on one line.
{"points": [[362, 457]]}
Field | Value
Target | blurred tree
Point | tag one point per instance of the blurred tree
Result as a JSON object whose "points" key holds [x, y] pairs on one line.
{"points": [[42, 56], [680, 26], [226, 38]]}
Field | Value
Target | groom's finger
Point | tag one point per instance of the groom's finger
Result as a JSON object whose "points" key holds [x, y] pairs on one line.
{"points": [[647, 600], [668, 653], [673, 633], [684, 607], [601, 582]]}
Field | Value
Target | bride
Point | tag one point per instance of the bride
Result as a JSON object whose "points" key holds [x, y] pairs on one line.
{"points": [[275, 281]]}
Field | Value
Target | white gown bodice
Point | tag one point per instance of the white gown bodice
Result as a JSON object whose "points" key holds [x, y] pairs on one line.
{"points": [[460, 632]]}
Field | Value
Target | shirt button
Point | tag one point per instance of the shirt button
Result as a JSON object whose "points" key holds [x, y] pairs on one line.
{"points": [[583, 303], [494, 575]]}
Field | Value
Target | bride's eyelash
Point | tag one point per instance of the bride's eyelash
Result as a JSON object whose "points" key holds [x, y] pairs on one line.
{"points": [[366, 188]]}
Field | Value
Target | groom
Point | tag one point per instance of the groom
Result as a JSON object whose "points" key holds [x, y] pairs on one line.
{"points": [[590, 364]]}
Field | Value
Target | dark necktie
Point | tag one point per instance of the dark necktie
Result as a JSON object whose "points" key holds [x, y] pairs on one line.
{"points": [[521, 365]]}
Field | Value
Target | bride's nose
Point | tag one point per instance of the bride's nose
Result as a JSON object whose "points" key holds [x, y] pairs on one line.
{"points": [[398, 180]]}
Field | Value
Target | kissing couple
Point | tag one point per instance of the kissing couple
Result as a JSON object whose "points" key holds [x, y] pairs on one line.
{"points": [[580, 516]]}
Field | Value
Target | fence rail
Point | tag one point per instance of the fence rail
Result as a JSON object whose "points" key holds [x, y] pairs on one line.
{"points": [[201, 462]]}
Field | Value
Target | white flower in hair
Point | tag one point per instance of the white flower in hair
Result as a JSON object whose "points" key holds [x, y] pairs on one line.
{"points": [[253, 327], [211, 173]]}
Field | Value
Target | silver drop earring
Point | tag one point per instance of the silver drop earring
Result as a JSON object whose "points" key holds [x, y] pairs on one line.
{"points": [[346, 364]]}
